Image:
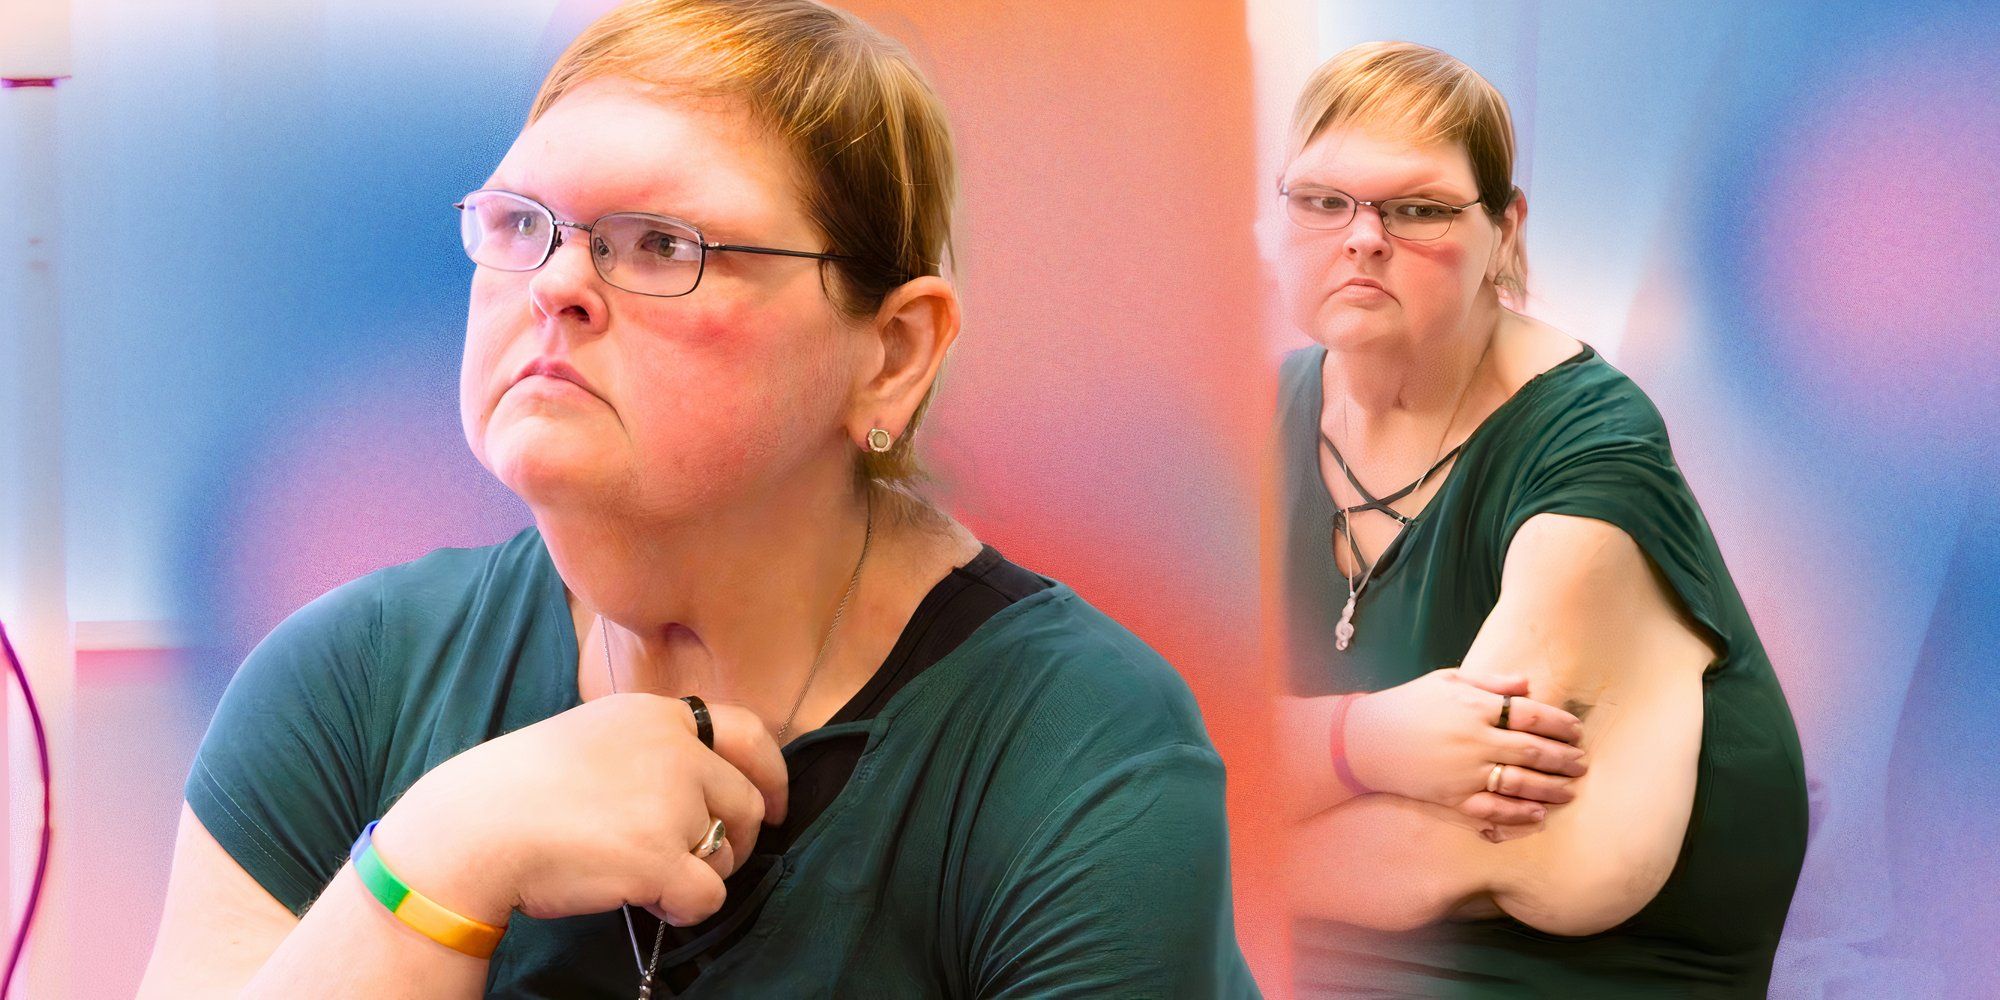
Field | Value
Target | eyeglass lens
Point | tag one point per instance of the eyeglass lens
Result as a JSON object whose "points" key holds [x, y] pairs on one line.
{"points": [[639, 253], [1406, 218]]}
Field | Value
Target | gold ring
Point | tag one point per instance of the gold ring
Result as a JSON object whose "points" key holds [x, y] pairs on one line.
{"points": [[1493, 777], [712, 841]]}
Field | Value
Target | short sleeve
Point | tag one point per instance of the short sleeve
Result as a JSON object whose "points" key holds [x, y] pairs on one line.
{"points": [[280, 779], [1626, 476], [1123, 890]]}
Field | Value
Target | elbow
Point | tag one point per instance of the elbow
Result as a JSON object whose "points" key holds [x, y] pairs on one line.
{"points": [[1588, 897]]}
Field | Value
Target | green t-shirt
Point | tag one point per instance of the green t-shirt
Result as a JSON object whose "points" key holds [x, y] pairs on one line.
{"points": [[1578, 439], [1039, 812]]}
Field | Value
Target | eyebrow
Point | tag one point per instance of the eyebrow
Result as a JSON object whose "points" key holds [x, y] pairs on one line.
{"points": [[1434, 191], [493, 183], [1429, 189]]}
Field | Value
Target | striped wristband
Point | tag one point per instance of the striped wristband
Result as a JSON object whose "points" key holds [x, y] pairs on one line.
{"points": [[420, 912]]}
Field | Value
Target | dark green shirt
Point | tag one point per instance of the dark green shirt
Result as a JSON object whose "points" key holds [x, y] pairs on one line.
{"points": [[1040, 812], [1578, 439]]}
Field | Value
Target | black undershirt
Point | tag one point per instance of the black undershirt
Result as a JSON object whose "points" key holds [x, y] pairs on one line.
{"points": [[948, 615]]}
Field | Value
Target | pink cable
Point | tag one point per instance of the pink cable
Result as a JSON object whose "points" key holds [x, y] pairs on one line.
{"points": [[42, 858]]}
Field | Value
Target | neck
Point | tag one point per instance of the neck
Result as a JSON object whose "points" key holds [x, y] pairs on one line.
{"points": [[731, 604], [1384, 395]]}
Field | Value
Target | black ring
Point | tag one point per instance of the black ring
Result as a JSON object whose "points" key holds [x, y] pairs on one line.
{"points": [[1506, 703], [704, 727]]}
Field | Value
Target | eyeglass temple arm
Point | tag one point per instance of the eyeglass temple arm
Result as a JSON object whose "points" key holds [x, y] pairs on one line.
{"points": [[717, 247], [774, 252], [1285, 191]]}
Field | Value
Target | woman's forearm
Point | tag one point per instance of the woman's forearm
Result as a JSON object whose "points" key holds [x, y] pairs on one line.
{"points": [[1387, 862], [1391, 863], [1307, 726], [348, 945]]}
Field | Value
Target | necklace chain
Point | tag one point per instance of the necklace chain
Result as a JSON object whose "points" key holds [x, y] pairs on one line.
{"points": [[1344, 631], [649, 968], [839, 612]]}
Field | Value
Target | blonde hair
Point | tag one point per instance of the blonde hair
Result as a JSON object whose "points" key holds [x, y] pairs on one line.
{"points": [[868, 132], [1427, 98]]}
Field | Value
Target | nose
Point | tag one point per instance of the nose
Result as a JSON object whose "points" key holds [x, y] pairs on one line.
{"points": [[567, 287], [1365, 235]]}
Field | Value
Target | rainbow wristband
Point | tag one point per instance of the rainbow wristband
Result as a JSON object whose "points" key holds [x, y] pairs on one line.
{"points": [[424, 915]]}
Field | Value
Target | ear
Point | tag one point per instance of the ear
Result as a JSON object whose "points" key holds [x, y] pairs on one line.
{"points": [[910, 334], [1512, 218]]}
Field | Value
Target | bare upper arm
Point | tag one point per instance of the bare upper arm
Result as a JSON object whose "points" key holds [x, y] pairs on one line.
{"points": [[219, 925], [1592, 624], [1583, 610]]}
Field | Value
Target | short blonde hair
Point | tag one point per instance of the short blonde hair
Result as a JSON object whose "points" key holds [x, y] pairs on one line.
{"points": [[867, 130], [1427, 98]]}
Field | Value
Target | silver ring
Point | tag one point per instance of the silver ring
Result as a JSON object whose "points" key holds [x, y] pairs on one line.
{"points": [[711, 842], [1493, 777]]}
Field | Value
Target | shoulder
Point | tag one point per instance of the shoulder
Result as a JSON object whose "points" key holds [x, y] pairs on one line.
{"points": [[356, 619], [1299, 367], [1590, 401], [1074, 726], [1067, 649], [464, 573], [1055, 695]]}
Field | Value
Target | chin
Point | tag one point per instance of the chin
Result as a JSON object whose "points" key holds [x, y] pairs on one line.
{"points": [[1349, 331], [542, 467]]}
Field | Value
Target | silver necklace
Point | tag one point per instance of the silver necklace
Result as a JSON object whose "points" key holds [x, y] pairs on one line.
{"points": [[649, 968], [1343, 633]]}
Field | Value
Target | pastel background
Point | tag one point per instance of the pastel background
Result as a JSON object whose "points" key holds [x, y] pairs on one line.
{"points": [[231, 301], [1779, 218]]}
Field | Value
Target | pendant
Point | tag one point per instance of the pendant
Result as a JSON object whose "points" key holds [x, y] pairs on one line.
{"points": [[1343, 633]]}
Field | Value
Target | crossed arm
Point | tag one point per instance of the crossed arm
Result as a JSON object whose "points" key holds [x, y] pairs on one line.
{"points": [[1588, 619]]}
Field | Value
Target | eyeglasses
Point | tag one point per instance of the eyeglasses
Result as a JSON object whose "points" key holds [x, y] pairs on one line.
{"points": [[1419, 219], [647, 254]]}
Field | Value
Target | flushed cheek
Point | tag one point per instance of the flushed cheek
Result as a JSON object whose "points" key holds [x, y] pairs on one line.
{"points": [[718, 389], [712, 323], [1444, 257], [705, 433], [1438, 280], [1418, 267]]}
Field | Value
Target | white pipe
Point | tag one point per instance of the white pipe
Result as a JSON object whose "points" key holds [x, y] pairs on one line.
{"points": [[34, 43]]}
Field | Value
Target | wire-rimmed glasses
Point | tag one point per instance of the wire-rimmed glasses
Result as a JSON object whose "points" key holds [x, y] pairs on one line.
{"points": [[645, 254], [1311, 206]]}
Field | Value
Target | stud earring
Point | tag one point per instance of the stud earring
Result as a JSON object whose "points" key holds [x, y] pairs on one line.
{"points": [[879, 440]]}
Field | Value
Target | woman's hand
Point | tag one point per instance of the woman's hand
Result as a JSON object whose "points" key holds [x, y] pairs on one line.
{"points": [[598, 806], [1435, 739]]}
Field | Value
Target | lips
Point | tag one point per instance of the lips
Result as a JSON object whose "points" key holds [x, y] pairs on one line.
{"points": [[1360, 286], [555, 368]]}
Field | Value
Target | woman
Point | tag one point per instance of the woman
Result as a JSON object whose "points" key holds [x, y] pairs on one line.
{"points": [[735, 676], [1462, 834]]}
